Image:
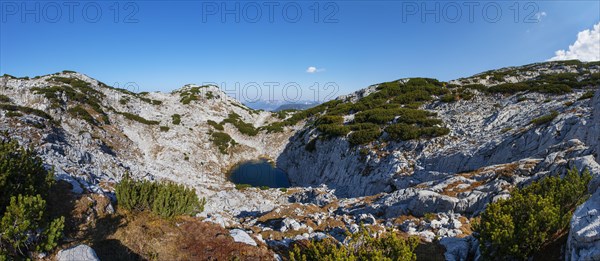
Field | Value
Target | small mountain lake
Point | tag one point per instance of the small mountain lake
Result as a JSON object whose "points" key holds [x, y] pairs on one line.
{"points": [[259, 173]]}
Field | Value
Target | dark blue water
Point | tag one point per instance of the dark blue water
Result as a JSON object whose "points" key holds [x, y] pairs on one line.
{"points": [[259, 173]]}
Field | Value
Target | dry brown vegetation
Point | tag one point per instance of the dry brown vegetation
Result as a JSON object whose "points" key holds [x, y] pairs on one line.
{"points": [[143, 236], [300, 213]]}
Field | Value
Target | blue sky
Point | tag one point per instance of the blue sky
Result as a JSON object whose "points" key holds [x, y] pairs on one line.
{"points": [[162, 45]]}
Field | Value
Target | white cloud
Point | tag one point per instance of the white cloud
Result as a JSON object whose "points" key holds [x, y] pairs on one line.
{"points": [[539, 15], [586, 48], [313, 69]]}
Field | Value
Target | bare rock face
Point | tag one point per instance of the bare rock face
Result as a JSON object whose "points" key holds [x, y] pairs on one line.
{"points": [[77, 253], [242, 237], [584, 236]]}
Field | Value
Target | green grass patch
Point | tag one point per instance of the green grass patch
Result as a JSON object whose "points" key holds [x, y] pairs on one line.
{"points": [[242, 186]]}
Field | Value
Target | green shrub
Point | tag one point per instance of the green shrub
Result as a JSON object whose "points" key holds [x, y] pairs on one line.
{"points": [[187, 99], [545, 119], [223, 141], [124, 100], [164, 128], [432, 132], [284, 190], [553, 88], [448, 98], [243, 127], [22, 172], [274, 127], [393, 101], [518, 227], [25, 225], [79, 91], [330, 119], [465, 94], [138, 118], [81, 113], [333, 130], [402, 131], [176, 119], [587, 95], [361, 246], [192, 94], [377, 116], [210, 95], [479, 87], [363, 126], [364, 136], [284, 113], [13, 114], [412, 96], [4, 98], [164, 198], [215, 125], [26, 110]]}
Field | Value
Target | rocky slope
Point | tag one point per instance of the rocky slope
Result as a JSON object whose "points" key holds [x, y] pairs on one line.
{"points": [[495, 143], [94, 154]]}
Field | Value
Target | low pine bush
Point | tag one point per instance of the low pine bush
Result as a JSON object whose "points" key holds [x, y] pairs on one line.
{"points": [[587, 95], [25, 225], [364, 136], [517, 227], [223, 141], [361, 246], [176, 119], [215, 125], [243, 127], [138, 118], [81, 113], [164, 198]]}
